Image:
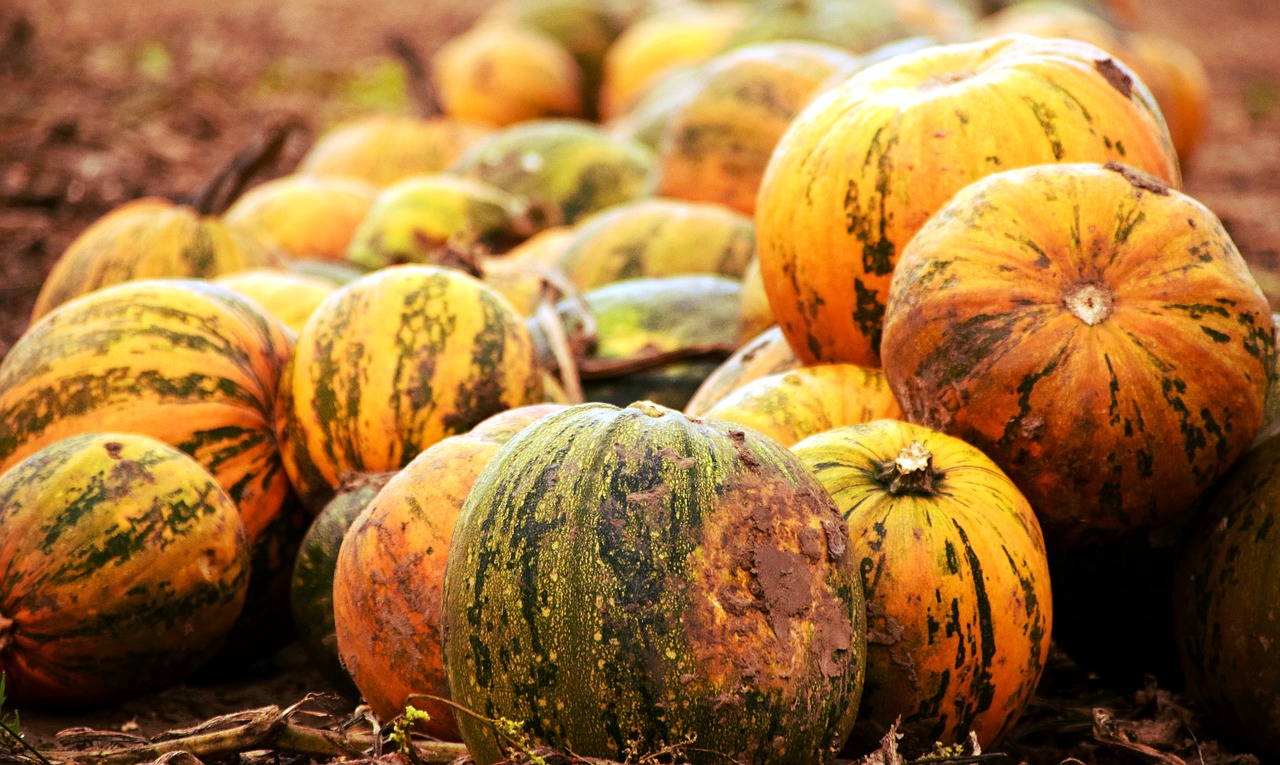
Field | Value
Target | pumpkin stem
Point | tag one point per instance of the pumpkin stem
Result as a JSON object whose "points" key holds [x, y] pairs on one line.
{"points": [[911, 472], [1091, 302]]}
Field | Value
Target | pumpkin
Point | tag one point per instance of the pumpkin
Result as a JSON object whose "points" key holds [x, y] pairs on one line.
{"points": [[656, 338], [716, 144], [646, 119], [388, 575], [858, 27], [304, 216], [754, 314], [150, 238], [867, 163], [793, 405], [1226, 594], [623, 580], [766, 354], [501, 74], [1095, 332], [657, 237], [123, 567], [520, 274], [311, 583], [392, 363], [287, 296], [684, 34], [954, 571], [439, 219], [381, 149], [564, 169]]}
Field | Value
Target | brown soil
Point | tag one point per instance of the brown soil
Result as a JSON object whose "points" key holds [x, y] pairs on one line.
{"points": [[104, 102]]}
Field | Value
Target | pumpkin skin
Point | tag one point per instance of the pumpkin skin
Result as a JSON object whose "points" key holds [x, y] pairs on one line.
{"points": [[658, 237], [311, 584], [381, 149], [755, 315], [389, 573], [616, 578], [766, 354], [867, 163], [519, 274], [717, 143], [1094, 332], [793, 405], [954, 570], [391, 364], [1226, 593], [501, 74], [304, 216], [152, 239], [289, 297], [858, 27], [124, 566], [563, 169], [187, 362]]}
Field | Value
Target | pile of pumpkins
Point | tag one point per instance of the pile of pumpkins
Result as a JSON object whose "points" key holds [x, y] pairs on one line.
{"points": [[705, 377]]}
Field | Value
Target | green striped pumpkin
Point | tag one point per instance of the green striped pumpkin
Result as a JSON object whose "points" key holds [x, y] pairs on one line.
{"points": [[392, 363], [956, 580], [123, 566], [621, 580]]}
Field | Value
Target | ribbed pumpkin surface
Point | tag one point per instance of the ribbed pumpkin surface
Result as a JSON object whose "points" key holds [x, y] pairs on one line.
{"points": [[1094, 332], [632, 575], [867, 163], [389, 574], [187, 362], [959, 609], [122, 567], [391, 364]]}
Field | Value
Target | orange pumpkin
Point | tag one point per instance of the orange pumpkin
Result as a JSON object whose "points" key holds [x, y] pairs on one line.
{"points": [[390, 572], [959, 609], [305, 216], [384, 148], [1093, 331], [793, 405], [765, 354], [866, 164]]}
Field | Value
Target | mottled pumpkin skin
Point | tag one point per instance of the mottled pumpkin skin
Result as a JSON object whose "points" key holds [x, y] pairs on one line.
{"points": [[123, 567], [381, 149], [391, 364], [150, 239], [959, 608], [632, 575], [717, 143], [187, 362], [867, 163], [658, 237], [305, 216], [1094, 332], [1226, 594], [793, 405], [766, 354], [389, 573]]}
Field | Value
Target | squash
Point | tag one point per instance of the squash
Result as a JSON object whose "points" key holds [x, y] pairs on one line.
{"points": [[1094, 332], [754, 314], [381, 149], [956, 580], [562, 169], [392, 363], [766, 354], [439, 219], [1226, 594], [521, 273], [150, 238], [304, 216], [287, 296], [858, 27], [387, 577], [623, 580], [123, 567], [658, 237], [311, 582], [793, 405], [716, 144], [501, 74], [866, 164]]}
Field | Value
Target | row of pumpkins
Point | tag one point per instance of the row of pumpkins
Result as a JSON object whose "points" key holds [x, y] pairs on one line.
{"points": [[1001, 332]]}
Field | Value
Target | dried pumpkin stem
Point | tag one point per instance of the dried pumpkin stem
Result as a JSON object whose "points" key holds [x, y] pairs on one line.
{"points": [[911, 472]]}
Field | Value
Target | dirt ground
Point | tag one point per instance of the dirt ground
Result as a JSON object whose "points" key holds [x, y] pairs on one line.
{"points": [[101, 103]]}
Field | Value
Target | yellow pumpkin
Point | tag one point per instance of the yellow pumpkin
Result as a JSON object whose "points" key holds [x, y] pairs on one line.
{"points": [[384, 148], [305, 216]]}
